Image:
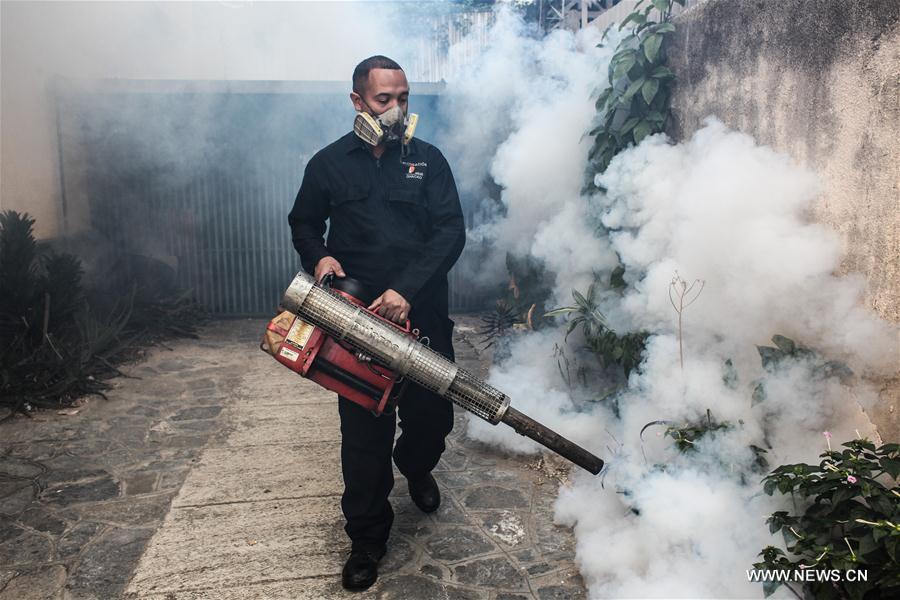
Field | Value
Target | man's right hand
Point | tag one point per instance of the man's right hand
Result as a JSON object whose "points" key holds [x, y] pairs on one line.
{"points": [[328, 265]]}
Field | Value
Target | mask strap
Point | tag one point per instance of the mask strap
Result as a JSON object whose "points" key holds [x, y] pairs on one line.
{"points": [[371, 112]]}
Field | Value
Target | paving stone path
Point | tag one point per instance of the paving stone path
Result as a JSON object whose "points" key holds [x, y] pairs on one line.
{"points": [[217, 475]]}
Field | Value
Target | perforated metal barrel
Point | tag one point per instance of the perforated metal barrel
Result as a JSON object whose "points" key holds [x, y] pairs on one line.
{"points": [[406, 356], [392, 348]]}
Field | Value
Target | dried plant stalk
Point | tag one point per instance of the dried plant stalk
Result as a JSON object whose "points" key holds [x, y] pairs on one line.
{"points": [[682, 295]]}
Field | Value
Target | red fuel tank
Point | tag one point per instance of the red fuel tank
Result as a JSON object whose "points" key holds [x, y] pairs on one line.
{"points": [[311, 352]]}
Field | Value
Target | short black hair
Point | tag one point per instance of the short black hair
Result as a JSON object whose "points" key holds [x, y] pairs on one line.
{"points": [[361, 72]]}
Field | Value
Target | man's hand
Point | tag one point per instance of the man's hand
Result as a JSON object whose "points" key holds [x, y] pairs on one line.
{"points": [[391, 305], [328, 265]]}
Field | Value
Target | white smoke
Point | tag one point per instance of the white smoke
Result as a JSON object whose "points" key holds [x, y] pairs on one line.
{"points": [[53, 50], [717, 207], [519, 115]]}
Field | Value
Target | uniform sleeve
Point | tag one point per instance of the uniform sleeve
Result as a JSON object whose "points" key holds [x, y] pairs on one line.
{"points": [[448, 234], [307, 219]]}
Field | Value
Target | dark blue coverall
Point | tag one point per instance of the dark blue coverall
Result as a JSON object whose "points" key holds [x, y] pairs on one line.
{"points": [[394, 223]]}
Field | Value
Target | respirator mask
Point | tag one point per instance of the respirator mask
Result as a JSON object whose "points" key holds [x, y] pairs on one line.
{"points": [[390, 127]]}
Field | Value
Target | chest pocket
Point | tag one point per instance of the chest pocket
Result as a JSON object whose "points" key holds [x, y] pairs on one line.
{"points": [[352, 219], [409, 214], [352, 193]]}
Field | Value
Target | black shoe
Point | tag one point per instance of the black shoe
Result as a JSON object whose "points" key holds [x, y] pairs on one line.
{"points": [[361, 569], [424, 493]]}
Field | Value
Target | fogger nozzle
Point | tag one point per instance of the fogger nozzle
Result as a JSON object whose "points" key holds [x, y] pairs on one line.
{"points": [[404, 355]]}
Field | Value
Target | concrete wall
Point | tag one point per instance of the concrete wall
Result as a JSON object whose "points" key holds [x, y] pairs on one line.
{"points": [[820, 81]]}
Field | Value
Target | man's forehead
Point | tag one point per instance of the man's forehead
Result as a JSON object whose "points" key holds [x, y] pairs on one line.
{"points": [[387, 81]]}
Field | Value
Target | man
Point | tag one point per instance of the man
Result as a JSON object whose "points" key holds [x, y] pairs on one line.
{"points": [[396, 226]]}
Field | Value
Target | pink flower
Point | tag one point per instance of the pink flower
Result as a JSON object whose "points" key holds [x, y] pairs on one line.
{"points": [[851, 479], [827, 434]]}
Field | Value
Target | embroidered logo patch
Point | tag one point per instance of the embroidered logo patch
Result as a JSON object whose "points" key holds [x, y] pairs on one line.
{"points": [[415, 170]]}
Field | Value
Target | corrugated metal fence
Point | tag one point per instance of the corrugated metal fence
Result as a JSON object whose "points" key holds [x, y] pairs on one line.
{"points": [[201, 175], [210, 197]]}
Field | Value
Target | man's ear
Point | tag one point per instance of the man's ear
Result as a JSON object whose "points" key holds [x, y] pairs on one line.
{"points": [[356, 99]]}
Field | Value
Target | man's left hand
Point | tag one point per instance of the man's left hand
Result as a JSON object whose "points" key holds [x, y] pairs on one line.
{"points": [[391, 305]]}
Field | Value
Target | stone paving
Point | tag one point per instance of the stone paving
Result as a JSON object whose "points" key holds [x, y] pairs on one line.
{"points": [[217, 475]]}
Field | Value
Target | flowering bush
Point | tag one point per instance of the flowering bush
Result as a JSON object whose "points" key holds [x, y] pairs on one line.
{"points": [[851, 520]]}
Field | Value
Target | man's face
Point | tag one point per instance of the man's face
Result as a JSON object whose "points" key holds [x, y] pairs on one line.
{"points": [[385, 89]]}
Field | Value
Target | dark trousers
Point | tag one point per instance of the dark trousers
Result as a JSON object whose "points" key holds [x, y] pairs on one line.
{"points": [[367, 445]]}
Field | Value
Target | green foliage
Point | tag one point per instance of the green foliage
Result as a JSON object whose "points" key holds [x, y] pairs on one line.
{"points": [[686, 436], [19, 285], [610, 347], [633, 104], [787, 351], [53, 347], [852, 520], [45, 360], [635, 101]]}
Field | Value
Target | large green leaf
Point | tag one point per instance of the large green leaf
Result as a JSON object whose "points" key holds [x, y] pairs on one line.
{"points": [[661, 5], [662, 28], [842, 494], [623, 66], [656, 117], [602, 98], [629, 42], [636, 18], [621, 54], [784, 344], [581, 301], [634, 87], [651, 46], [642, 130], [572, 325], [561, 311], [648, 90], [891, 466], [629, 124]]}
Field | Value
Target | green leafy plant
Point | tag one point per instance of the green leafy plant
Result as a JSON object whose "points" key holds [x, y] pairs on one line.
{"points": [[610, 347], [851, 520], [635, 102], [786, 350], [686, 436], [44, 359], [53, 347]]}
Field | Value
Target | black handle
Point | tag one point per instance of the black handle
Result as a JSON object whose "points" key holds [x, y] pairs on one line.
{"points": [[525, 425]]}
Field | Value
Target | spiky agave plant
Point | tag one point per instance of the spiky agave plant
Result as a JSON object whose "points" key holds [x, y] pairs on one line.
{"points": [[46, 358], [498, 323]]}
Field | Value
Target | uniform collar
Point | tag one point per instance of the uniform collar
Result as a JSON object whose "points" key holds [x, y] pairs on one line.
{"points": [[351, 142]]}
